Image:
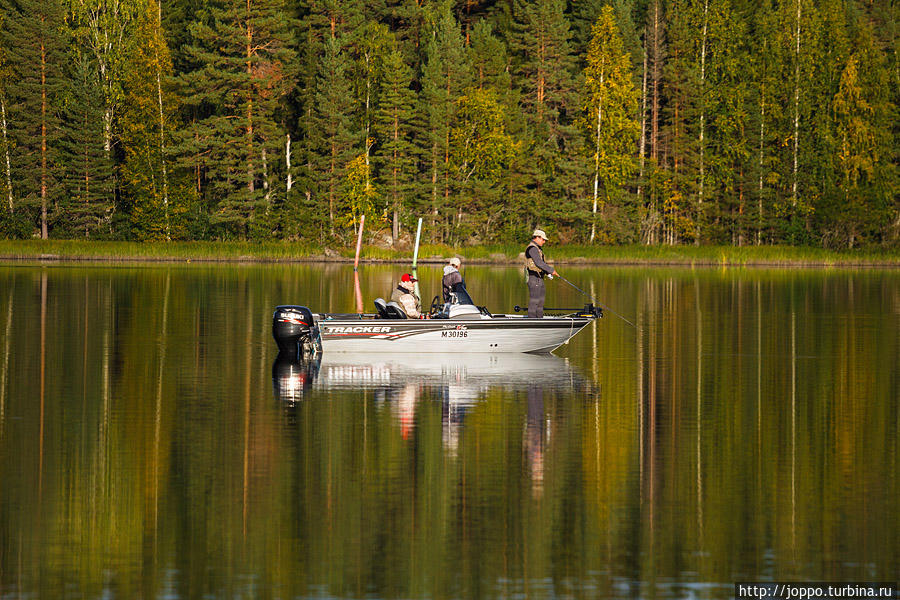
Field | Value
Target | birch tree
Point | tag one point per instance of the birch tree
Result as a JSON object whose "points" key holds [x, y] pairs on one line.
{"points": [[147, 126], [611, 110], [4, 130], [104, 27]]}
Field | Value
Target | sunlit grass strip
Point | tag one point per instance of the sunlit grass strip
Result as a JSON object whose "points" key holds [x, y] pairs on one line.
{"points": [[284, 251]]}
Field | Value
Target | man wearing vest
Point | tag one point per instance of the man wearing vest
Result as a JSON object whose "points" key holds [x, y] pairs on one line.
{"points": [[537, 268]]}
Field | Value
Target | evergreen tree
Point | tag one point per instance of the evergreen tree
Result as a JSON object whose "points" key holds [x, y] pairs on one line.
{"points": [[243, 72], [446, 74], [32, 36], [394, 127], [541, 37], [334, 139], [87, 168], [767, 66]]}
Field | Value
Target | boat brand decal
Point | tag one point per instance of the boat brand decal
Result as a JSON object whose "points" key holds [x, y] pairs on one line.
{"points": [[458, 331], [340, 329]]}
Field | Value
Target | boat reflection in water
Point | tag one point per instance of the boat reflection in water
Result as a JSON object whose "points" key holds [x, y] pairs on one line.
{"points": [[459, 380]]}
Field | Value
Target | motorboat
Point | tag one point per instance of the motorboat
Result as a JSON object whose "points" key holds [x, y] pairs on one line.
{"points": [[454, 327]]}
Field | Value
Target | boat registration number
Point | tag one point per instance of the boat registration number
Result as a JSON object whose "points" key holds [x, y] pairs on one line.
{"points": [[455, 334]]}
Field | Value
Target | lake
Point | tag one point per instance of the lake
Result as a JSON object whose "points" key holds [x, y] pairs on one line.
{"points": [[152, 446]]}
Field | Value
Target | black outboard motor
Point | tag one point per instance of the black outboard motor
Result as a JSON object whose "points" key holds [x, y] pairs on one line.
{"points": [[295, 331]]}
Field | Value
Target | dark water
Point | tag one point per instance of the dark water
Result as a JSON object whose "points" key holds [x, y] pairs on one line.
{"points": [[152, 447]]}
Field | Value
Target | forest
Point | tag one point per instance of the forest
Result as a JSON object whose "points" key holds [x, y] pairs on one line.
{"points": [[664, 122]]}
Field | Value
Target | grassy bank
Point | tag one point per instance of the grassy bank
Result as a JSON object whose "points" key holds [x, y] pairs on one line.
{"points": [[67, 250]]}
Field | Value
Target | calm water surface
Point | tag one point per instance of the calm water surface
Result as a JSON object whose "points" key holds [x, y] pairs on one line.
{"points": [[151, 445]]}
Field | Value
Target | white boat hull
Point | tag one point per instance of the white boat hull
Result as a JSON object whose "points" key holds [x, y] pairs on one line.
{"points": [[499, 333]]}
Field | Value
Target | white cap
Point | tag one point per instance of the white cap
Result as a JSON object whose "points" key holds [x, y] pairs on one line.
{"points": [[455, 262], [539, 233]]}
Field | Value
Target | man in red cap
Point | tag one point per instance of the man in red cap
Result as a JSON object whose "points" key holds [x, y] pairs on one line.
{"points": [[405, 296]]}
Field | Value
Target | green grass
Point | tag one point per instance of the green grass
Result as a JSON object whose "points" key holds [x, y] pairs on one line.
{"points": [[278, 251]]}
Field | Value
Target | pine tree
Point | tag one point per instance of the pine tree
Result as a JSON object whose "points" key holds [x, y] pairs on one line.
{"points": [[86, 164], [334, 137], [446, 74], [394, 126], [611, 112], [549, 100], [32, 36], [243, 71]]}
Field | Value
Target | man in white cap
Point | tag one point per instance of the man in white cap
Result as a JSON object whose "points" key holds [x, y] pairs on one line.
{"points": [[537, 268], [452, 278]]}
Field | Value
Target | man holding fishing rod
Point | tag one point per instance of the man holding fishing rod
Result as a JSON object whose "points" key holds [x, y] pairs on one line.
{"points": [[536, 269]]}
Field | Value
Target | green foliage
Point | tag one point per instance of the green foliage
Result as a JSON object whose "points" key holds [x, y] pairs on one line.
{"points": [[725, 122]]}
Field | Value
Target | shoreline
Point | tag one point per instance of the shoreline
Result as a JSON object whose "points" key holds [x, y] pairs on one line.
{"points": [[76, 252]]}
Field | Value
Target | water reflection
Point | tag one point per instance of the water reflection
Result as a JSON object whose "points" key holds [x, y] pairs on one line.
{"points": [[747, 429], [456, 381]]}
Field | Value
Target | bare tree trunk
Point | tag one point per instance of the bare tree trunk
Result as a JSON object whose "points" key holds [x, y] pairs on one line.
{"points": [[368, 143], [655, 76], [162, 124], [796, 114], [702, 119], [762, 132], [287, 163], [9, 192], [251, 184], [597, 163], [642, 148], [265, 181], [44, 232], [395, 229]]}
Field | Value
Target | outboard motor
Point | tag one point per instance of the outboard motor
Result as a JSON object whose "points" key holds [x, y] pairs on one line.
{"points": [[295, 331]]}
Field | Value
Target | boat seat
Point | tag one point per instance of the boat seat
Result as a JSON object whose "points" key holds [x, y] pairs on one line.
{"points": [[393, 311], [381, 308]]}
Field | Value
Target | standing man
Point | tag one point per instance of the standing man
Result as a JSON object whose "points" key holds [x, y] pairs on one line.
{"points": [[537, 268]]}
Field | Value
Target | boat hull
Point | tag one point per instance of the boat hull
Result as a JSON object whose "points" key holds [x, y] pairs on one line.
{"points": [[489, 335]]}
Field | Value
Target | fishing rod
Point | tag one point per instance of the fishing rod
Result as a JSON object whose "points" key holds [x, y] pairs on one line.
{"points": [[595, 302]]}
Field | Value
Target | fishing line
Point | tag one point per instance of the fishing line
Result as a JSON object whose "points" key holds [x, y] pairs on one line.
{"points": [[595, 302]]}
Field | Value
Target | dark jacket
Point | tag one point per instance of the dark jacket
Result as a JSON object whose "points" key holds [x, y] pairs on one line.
{"points": [[451, 281]]}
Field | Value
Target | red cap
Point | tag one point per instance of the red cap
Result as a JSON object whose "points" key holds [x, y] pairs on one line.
{"points": [[408, 277]]}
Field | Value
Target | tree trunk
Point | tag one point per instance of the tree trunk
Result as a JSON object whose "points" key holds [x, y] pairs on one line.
{"points": [[395, 174], [655, 76], [9, 192], [702, 120], [762, 132], [287, 163], [796, 115], [44, 232], [251, 184], [642, 148], [162, 126], [597, 164]]}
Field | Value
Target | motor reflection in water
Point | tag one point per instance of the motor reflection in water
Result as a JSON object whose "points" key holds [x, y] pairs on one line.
{"points": [[460, 381]]}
